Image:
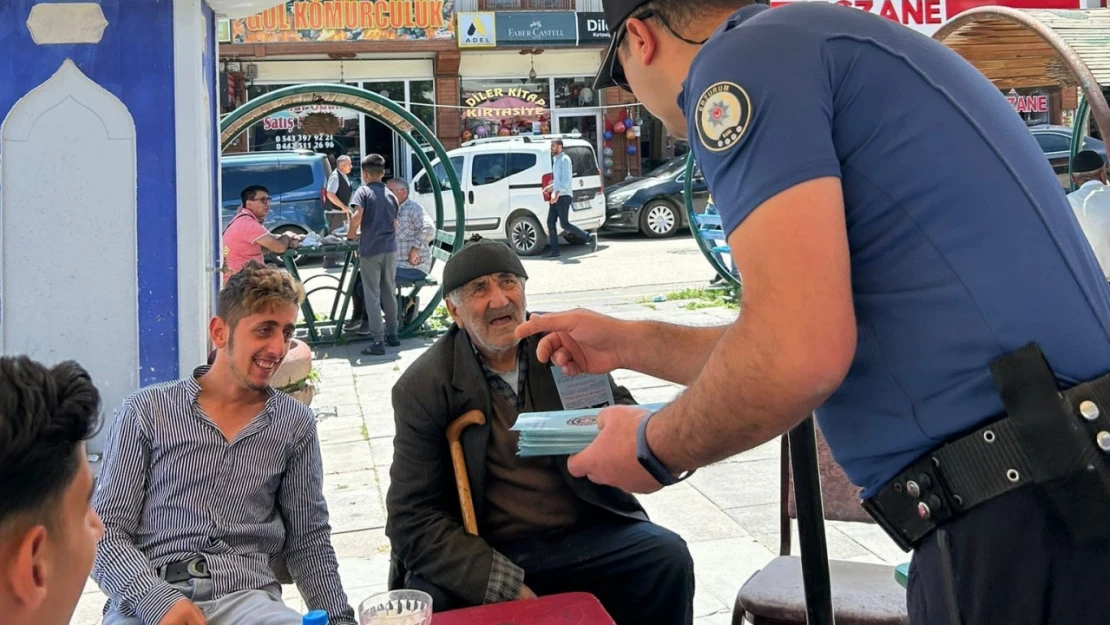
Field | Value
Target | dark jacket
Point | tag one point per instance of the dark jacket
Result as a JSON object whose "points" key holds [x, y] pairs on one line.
{"points": [[424, 523]]}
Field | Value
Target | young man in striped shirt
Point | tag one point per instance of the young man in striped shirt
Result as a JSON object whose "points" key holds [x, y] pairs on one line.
{"points": [[208, 480]]}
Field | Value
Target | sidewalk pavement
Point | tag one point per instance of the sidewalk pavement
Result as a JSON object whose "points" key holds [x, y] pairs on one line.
{"points": [[727, 512]]}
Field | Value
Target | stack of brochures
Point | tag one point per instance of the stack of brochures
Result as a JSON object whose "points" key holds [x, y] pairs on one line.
{"points": [[560, 432]]}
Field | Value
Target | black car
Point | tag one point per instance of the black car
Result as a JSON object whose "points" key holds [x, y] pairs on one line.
{"points": [[653, 204]]}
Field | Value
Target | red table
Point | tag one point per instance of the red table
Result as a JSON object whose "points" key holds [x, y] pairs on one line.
{"points": [[572, 608]]}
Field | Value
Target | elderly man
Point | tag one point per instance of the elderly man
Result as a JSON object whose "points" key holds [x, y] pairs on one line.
{"points": [[339, 187], [541, 531], [1091, 203]]}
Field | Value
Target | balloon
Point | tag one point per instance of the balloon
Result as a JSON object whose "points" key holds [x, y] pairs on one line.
{"points": [[631, 149], [481, 131], [608, 162], [608, 135], [630, 135], [608, 125], [609, 173], [504, 132], [608, 151], [618, 127]]}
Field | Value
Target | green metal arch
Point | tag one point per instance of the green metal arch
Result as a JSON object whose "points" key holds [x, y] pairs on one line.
{"points": [[384, 110], [688, 198]]}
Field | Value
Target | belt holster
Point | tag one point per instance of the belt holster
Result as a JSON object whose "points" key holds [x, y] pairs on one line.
{"points": [[1066, 437], [1057, 443]]}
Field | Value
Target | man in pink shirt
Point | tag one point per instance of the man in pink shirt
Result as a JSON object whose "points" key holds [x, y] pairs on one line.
{"points": [[245, 236]]}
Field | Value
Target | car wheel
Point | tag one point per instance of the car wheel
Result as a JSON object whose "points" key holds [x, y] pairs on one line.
{"points": [[658, 219], [525, 234], [291, 230]]}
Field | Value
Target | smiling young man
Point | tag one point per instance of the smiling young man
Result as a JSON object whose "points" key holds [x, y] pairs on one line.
{"points": [[541, 531], [209, 479], [48, 530]]}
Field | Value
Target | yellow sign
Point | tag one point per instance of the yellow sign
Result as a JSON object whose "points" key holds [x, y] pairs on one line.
{"points": [[347, 20], [501, 103], [477, 30]]}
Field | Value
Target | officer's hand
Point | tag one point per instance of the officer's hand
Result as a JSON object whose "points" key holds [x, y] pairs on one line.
{"points": [[184, 612], [611, 459], [579, 341]]}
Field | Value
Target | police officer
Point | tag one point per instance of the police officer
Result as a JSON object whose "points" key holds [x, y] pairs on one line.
{"points": [[912, 273]]}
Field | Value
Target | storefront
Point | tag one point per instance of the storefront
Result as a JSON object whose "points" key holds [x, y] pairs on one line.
{"points": [[391, 48]]}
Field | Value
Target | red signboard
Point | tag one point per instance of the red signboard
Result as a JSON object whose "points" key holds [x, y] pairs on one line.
{"points": [[926, 16]]}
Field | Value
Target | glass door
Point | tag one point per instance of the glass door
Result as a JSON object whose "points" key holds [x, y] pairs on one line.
{"points": [[585, 124]]}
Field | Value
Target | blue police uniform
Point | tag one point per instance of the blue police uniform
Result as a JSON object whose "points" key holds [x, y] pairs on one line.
{"points": [[963, 246]]}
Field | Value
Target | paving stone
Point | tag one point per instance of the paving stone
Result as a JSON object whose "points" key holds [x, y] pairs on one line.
{"points": [[739, 484], [838, 544], [757, 520], [354, 501], [361, 544], [341, 435], [684, 510], [872, 538], [722, 566], [720, 618], [346, 457], [381, 449], [362, 572]]}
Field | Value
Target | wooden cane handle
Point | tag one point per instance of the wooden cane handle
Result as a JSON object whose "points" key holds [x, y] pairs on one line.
{"points": [[458, 463]]}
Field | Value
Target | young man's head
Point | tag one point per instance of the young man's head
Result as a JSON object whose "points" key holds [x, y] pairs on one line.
{"points": [[400, 188], [1087, 166], [48, 530], [256, 199], [484, 283], [255, 318], [343, 164], [373, 167], [556, 147], [654, 42]]}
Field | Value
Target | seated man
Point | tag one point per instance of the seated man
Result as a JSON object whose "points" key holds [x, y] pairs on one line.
{"points": [[48, 530], [207, 480], [541, 531], [245, 236]]}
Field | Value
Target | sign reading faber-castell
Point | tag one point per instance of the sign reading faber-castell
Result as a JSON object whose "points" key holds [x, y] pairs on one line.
{"points": [[348, 20]]}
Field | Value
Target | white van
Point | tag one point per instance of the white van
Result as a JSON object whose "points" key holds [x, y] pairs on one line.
{"points": [[502, 190]]}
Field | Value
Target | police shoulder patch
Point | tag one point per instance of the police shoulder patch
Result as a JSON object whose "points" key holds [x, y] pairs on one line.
{"points": [[723, 113]]}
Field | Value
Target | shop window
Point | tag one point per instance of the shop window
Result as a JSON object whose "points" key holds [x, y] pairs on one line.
{"points": [[575, 93], [505, 107], [488, 169], [284, 130], [519, 162]]}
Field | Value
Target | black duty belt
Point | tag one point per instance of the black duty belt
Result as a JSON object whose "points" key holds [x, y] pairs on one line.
{"points": [[1055, 440], [185, 570]]}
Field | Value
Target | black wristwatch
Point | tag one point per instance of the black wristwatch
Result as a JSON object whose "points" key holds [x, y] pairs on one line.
{"points": [[650, 462]]}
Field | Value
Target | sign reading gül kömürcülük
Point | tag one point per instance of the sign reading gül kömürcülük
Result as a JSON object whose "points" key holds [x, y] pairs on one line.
{"points": [[347, 20]]}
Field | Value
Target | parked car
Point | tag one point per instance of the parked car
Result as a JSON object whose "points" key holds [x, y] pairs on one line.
{"points": [[1055, 142], [297, 181], [654, 204], [502, 188]]}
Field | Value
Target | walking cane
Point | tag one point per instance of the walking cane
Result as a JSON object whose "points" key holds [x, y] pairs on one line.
{"points": [[811, 524], [458, 463]]}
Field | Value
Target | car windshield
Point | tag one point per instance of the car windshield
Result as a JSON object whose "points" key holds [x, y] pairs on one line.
{"points": [[669, 168]]}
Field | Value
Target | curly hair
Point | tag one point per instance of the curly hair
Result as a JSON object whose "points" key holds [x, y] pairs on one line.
{"points": [[256, 289], [45, 414]]}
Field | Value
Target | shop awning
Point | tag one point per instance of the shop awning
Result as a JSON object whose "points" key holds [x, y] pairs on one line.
{"points": [[1022, 48]]}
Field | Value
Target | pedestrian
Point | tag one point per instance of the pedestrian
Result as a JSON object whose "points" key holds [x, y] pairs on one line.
{"points": [[376, 218], [911, 273], [562, 196], [245, 237], [339, 185]]}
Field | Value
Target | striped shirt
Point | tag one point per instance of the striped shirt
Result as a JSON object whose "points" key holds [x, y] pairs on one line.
{"points": [[172, 488]]}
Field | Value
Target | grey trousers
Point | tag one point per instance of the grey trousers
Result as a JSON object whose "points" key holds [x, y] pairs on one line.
{"points": [[379, 277], [246, 607]]}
